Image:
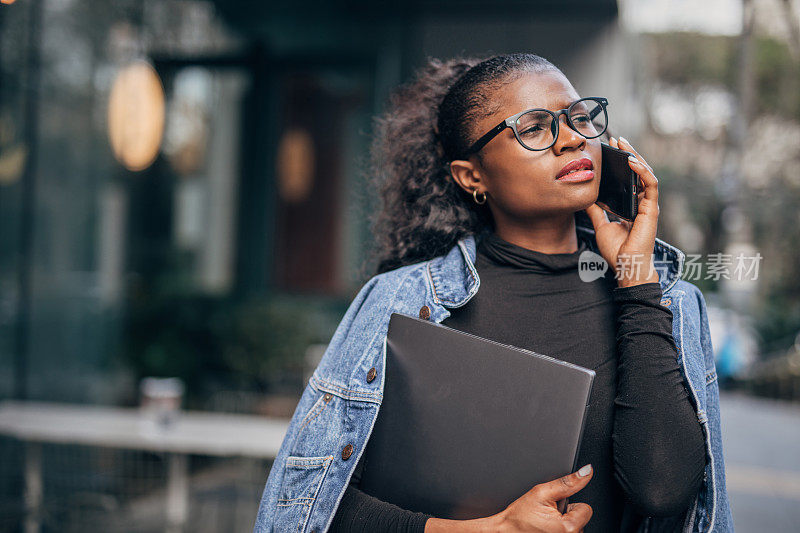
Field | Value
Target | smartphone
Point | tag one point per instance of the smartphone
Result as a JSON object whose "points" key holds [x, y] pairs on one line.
{"points": [[619, 184]]}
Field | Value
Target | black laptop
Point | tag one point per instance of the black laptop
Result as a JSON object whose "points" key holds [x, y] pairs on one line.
{"points": [[468, 425]]}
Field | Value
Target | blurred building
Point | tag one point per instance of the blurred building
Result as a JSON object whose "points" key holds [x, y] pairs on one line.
{"points": [[181, 189]]}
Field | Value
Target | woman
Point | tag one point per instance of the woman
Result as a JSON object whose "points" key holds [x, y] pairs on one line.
{"points": [[479, 193]]}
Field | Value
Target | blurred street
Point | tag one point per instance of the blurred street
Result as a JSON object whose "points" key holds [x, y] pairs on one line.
{"points": [[761, 439]]}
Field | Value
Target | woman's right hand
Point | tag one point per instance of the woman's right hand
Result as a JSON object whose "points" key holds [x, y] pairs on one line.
{"points": [[533, 512]]}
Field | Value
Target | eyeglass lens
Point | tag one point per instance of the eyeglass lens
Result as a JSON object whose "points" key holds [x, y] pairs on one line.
{"points": [[536, 128]]}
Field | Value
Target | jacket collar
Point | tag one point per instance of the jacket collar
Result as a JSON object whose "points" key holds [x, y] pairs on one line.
{"points": [[454, 279]]}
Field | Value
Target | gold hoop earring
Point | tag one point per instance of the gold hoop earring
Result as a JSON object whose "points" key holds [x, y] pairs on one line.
{"points": [[475, 197]]}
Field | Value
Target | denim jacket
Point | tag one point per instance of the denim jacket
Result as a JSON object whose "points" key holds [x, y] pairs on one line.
{"points": [[338, 408]]}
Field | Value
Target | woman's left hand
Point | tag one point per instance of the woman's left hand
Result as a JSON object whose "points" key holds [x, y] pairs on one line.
{"points": [[628, 246]]}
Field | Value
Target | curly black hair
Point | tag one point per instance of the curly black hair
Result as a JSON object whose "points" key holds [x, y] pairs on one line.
{"points": [[428, 123]]}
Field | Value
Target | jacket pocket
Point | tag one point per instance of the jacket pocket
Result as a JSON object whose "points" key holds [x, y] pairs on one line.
{"points": [[316, 409], [302, 479]]}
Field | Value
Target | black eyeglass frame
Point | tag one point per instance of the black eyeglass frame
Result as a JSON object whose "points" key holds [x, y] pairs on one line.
{"points": [[511, 122]]}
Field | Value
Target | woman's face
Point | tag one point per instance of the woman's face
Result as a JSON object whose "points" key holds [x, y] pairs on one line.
{"points": [[521, 184]]}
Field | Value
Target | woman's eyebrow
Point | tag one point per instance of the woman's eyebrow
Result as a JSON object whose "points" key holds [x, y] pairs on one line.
{"points": [[566, 103], [563, 104]]}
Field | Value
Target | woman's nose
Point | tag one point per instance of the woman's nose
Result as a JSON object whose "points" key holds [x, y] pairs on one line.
{"points": [[567, 137]]}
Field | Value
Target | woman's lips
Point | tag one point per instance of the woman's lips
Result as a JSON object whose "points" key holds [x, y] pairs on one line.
{"points": [[581, 175], [584, 170]]}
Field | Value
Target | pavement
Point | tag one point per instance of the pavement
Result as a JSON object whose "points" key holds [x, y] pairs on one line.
{"points": [[761, 443]]}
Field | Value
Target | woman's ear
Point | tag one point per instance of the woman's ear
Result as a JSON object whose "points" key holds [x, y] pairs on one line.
{"points": [[467, 175]]}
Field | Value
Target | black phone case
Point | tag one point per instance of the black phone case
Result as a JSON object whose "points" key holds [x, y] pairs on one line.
{"points": [[619, 184]]}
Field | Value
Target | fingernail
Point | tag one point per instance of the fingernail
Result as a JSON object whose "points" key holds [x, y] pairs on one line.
{"points": [[623, 139], [585, 471], [633, 158]]}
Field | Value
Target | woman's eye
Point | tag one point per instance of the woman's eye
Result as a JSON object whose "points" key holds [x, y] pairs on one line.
{"points": [[581, 119], [532, 130]]}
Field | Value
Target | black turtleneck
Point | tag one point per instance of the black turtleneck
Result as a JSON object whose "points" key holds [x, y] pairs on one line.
{"points": [[642, 434]]}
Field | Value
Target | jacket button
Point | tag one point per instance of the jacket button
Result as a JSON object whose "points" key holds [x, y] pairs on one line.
{"points": [[347, 452], [327, 397], [371, 374], [425, 312]]}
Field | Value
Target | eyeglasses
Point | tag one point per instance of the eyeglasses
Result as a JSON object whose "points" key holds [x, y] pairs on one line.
{"points": [[537, 129]]}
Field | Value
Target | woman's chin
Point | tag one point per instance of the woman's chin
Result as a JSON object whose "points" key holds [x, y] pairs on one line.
{"points": [[582, 199]]}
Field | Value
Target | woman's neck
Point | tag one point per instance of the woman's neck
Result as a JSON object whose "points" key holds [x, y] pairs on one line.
{"points": [[554, 235]]}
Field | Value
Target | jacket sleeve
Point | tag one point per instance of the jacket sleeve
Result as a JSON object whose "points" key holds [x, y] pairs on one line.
{"points": [[266, 512], [722, 520]]}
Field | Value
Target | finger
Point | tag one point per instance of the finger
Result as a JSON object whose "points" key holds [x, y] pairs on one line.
{"points": [[577, 516], [613, 143], [561, 488], [625, 145], [647, 178], [645, 224], [598, 216], [640, 187]]}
